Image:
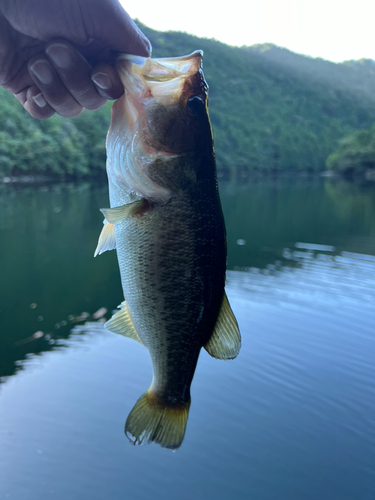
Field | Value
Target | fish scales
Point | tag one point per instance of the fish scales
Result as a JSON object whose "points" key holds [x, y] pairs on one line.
{"points": [[167, 226], [174, 279]]}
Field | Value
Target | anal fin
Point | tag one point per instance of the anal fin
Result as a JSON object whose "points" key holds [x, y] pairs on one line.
{"points": [[225, 341], [122, 324]]}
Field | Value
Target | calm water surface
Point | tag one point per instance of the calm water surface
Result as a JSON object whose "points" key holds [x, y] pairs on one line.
{"points": [[293, 417]]}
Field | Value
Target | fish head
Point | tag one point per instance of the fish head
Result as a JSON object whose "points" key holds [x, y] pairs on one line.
{"points": [[159, 125]]}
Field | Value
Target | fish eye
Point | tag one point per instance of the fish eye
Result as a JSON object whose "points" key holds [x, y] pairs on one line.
{"points": [[194, 105]]}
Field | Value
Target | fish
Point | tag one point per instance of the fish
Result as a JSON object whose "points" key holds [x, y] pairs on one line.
{"points": [[166, 223]]}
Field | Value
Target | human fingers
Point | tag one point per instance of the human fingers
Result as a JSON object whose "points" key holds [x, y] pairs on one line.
{"points": [[108, 23], [75, 73], [36, 104], [29, 95], [107, 81], [54, 91]]}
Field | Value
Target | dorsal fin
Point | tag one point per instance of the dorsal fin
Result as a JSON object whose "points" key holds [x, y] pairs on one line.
{"points": [[122, 324], [107, 239], [225, 341]]}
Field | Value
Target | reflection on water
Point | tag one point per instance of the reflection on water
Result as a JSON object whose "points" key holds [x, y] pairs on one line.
{"points": [[271, 215], [321, 278], [292, 417], [48, 274]]}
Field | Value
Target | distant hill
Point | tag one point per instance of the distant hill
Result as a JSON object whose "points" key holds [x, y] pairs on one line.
{"points": [[275, 110], [355, 155], [351, 76], [271, 110]]}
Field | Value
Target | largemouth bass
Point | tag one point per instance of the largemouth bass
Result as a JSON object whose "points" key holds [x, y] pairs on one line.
{"points": [[167, 226]]}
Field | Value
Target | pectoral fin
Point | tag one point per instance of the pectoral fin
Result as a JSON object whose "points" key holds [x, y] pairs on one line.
{"points": [[107, 239], [122, 324], [117, 214], [225, 341]]}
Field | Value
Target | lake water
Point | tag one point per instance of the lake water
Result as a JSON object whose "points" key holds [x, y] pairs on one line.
{"points": [[293, 417]]}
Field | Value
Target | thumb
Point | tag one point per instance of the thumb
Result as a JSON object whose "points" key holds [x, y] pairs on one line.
{"points": [[109, 25]]}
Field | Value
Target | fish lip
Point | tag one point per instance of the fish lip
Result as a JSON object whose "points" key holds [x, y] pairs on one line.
{"points": [[159, 78], [165, 80], [170, 67]]}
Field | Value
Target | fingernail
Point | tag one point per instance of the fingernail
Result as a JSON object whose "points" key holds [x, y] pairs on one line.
{"points": [[43, 71], [102, 80], [39, 100], [60, 55]]}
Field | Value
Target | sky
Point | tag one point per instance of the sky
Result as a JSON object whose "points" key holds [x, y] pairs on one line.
{"points": [[331, 29]]}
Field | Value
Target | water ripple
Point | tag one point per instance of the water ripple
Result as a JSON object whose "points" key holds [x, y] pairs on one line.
{"points": [[344, 279], [315, 357]]}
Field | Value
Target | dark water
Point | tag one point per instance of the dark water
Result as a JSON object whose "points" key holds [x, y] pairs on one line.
{"points": [[293, 417]]}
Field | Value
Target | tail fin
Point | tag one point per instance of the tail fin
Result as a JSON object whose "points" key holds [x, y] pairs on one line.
{"points": [[151, 420]]}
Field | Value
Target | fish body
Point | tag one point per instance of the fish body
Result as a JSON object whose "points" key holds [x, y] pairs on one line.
{"points": [[168, 228]]}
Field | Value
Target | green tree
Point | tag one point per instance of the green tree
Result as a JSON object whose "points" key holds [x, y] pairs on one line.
{"points": [[355, 154]]}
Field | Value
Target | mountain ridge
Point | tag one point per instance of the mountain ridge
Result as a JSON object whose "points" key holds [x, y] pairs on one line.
{"points": [[272, 110]]}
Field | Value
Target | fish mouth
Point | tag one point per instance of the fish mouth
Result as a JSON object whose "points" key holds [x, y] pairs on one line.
{"points": [[163, 82], [163, 78], [133, 144]]}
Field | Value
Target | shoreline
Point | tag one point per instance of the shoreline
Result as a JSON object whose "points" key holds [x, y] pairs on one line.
{"points": [[222, 176]]}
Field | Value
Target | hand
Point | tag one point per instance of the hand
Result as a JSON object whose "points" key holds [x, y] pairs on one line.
{"points": [[55, 54]]}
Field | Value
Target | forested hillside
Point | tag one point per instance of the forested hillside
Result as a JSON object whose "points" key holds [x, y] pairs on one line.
{"points": [[355, 155], [53, 147], [271, 110]]}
